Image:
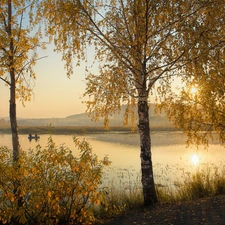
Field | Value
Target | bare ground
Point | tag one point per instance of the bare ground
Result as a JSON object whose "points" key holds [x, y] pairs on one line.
{"points": [[207, 211]]}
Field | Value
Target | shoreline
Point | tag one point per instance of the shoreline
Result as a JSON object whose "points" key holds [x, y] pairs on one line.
{"points": [[79, 129]]}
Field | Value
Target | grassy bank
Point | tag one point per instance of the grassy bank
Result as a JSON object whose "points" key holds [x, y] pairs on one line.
{"points": [[76, 129], [207, 181]]}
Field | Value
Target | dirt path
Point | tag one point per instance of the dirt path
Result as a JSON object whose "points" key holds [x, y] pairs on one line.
{"points": [[208, 211]]}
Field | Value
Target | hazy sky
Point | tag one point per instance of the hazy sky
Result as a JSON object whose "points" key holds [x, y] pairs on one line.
{"points": [[55, 95]]}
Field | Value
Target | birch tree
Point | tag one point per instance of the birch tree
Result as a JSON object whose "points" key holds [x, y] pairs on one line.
{"points": [[138, 44], [17, 56]]}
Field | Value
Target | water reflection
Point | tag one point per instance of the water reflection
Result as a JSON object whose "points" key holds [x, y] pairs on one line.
{"points": [[195, 159], [171, 159]]}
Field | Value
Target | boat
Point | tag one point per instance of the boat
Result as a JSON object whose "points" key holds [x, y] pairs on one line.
{"points": [[35, 137]]}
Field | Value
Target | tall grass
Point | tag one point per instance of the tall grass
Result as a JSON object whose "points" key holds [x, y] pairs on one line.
{"points": [[207, 181], [120, 195]]}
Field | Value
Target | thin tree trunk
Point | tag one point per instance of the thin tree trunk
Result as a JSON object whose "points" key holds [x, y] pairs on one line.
{"points": [[148, 185], [13, 122], [12, 107], [15, 143]]}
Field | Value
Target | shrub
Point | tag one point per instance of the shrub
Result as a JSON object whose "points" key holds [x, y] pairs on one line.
{"points": [[54, 186]]}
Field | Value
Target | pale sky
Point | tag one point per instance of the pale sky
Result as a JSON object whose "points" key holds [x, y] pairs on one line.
{"points": [[55, 95]]}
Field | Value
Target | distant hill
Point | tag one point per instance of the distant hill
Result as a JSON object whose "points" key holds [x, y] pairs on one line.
{"points": [[84, 120]]}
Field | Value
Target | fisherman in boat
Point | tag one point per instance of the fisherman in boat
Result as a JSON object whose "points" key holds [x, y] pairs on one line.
{"points": [[30, 137]]}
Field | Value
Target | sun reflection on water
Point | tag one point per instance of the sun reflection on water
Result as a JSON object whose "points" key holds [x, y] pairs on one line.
{"points": [[195, 159]]}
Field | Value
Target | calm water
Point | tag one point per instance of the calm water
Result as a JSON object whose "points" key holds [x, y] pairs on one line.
{"points": [[171, 158]]}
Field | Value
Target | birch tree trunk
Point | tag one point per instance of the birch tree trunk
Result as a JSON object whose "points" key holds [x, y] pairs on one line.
{"points": [[148, 185], [12, 107]]}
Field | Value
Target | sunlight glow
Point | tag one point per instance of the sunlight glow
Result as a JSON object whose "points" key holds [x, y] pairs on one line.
{"points": [[195, 159], [193, 90]]}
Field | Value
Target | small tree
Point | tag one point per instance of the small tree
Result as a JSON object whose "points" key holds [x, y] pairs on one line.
{"points": [[18, 46], [137, 43]]}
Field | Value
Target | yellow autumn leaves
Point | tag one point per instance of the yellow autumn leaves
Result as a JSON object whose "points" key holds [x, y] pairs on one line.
{"points": [[19, 40], [52, 185]]}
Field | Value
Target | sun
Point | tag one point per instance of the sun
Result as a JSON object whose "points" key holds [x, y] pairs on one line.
{"points": [[193, 90]]}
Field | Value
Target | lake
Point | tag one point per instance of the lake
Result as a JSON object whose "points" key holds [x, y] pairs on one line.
{"points": [[171, 159]]}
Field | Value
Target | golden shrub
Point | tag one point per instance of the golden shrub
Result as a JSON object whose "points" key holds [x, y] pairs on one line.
{"points": [[50, 185]]}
